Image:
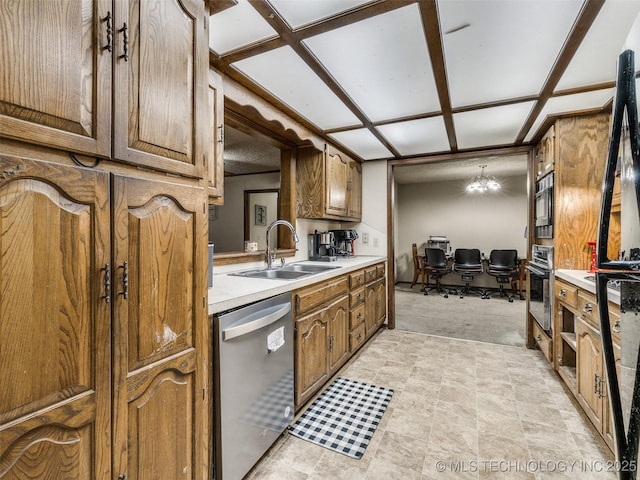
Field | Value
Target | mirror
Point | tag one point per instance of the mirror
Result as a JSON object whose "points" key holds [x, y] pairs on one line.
{"points": [[251, 186]]}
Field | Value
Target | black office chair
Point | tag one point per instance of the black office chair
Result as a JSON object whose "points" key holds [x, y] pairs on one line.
{"points": [[504, 265], [467, 262], [436, 266]]}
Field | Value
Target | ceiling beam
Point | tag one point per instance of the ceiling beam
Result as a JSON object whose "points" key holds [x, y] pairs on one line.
{"points": [[586, 17], [431, 25]]}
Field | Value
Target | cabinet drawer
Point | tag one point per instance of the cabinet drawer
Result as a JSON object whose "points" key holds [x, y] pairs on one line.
{"points": [[356, 279], [356, 298], [356, 338], [370, 274], [356, 316], [544, 342], [306, 299], [380, 270], [588, 307], [566, 293]]}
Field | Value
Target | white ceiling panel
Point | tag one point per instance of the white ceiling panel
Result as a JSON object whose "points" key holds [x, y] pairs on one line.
{"points": [[502, 49], [571, 103], [313, 10], [236, 27], [283, 73], [596, 58], [426, 135], [490, 126], [382, 63], [445, 171], [363, 143]]}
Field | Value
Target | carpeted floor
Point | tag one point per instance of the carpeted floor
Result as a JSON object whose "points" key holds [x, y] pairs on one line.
{"points": [[470, 318]]}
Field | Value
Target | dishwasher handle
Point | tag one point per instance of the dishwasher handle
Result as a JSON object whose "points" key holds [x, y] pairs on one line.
{"points": [[256, 321]]}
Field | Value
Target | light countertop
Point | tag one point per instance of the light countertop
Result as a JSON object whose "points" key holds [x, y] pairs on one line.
{"points": [[579, 279], [230, 291]]}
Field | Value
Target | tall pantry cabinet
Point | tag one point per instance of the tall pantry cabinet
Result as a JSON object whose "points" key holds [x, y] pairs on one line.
{"points": [[104, 129]]}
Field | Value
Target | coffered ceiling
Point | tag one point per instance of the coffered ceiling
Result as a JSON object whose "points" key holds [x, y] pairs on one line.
{"points": [[400, 79]]}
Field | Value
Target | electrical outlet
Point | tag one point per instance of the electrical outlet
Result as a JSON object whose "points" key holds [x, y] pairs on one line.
{"points": [[375, 242], [365, 238]]}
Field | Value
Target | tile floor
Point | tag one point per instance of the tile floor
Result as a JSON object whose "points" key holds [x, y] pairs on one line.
{"points": [[461, 410]]}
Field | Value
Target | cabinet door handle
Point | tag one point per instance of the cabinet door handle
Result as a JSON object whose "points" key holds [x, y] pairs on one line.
{"points": [[125, 280], [563, 292], [107, 282], [616, 326], [221, 134], [596, 382], [109, 45], [125, 42], [359, 296], [539, 338], [587, 308], [359, 314]]}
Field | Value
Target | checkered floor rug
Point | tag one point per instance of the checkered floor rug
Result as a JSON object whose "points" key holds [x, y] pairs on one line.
{"points": [[344, 417]]}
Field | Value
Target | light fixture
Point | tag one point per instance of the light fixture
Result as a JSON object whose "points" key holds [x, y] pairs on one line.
{"points": [[481, 183]]}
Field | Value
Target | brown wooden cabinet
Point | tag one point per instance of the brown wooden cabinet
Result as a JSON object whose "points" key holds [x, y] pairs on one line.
{"points": [[546, 153], [591, 384], [55, 406], [578, 347], [60, 93], [87, 406], [375, 298], [332, 322], [161, 339], [321, 315], [329, 185]]}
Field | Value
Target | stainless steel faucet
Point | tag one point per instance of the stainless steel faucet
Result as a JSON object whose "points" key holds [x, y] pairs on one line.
{"points": [[269, 257]]}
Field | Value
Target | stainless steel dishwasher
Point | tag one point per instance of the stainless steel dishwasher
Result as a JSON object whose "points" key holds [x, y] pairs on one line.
{"points": [[253, 383]]}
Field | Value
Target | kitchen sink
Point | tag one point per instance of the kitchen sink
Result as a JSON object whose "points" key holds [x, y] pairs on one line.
{"points": [[296, 267], [288, 272]]}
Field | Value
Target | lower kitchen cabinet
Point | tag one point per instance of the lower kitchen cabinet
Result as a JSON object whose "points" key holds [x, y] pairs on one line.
{"points": [[103, 325], [591, 386], [331, 323], [579, 359], [322, 346]]}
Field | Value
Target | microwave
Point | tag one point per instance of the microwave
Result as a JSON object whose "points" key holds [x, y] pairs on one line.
{"points": [[543, 207]]}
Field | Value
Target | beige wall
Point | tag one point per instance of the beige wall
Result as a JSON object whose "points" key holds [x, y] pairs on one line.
{"points": [[486, 221]]}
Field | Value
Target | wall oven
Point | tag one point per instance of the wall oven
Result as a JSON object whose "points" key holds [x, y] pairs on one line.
{"points": [[540, 270], [544, 207]]}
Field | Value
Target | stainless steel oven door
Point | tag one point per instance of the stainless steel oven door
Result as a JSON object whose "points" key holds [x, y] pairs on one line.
{"points": [[540, 296]]}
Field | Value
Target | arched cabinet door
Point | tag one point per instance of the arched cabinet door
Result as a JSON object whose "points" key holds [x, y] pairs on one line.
{"points": [[161, 387], [55, 336]]}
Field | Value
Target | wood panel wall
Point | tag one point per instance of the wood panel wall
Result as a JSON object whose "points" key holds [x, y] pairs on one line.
{"points": [[581, 152]]}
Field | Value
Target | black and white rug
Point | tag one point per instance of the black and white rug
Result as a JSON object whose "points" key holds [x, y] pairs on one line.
{"points": [[344, 417]]}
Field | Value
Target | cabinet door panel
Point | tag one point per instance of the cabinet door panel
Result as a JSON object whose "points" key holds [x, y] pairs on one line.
{"points": [[56, 89], [311, 355], [157, 108], [589, 371], [338, 325], [160, 328], [337, 172], [54, 238], [157, 448]]}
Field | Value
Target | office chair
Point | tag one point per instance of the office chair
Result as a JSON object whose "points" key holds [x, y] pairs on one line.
{"points": [[504, 265], [436, 267], [467, 263], [418, 267]]}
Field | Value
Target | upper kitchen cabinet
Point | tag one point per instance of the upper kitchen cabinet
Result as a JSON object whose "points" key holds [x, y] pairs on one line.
{"points": [[160, 58], [58, 88], [545, 153], [329, 185], [216, 144]]}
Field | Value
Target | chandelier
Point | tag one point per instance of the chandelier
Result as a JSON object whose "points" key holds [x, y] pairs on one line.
{"points": [[481, 183]]}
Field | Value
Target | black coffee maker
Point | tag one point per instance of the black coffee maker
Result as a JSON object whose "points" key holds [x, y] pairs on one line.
{"points": [[344, 242], [322, 246]]}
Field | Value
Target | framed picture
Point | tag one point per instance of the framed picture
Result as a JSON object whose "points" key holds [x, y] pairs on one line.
{"points": [[261, 215]]}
